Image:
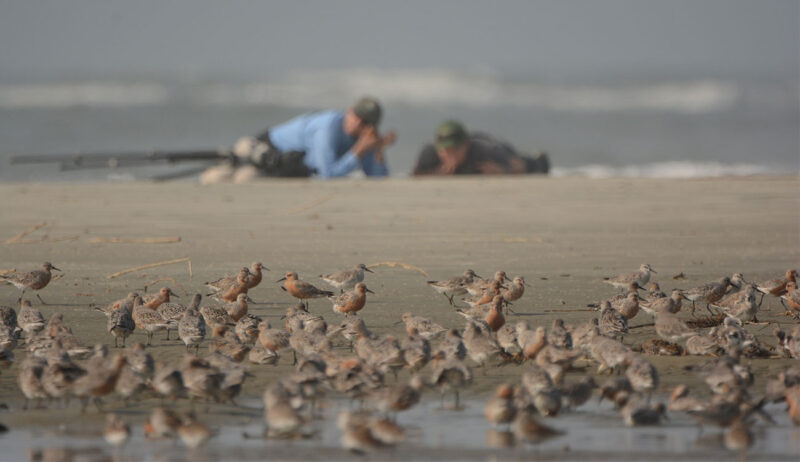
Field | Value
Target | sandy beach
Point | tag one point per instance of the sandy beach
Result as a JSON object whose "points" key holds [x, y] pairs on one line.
{"points": [[563, 235]]}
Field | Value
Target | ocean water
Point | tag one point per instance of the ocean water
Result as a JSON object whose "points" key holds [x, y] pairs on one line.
{"points": [[641, 128]]}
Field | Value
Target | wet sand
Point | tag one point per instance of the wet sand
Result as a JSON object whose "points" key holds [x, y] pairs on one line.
{"points": [[563, 235]]}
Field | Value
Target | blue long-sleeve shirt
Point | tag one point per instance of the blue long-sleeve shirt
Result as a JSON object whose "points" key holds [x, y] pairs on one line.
{"points": [[328, 148]]}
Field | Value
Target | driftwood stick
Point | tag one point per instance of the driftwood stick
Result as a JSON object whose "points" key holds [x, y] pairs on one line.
{"points": [[185, 292], [397, 264], [642, 325], [579, 310], [151, 265], [19, 236], [135, 240]]}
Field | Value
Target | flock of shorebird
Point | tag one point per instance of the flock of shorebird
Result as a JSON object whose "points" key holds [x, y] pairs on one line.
{"points": [[57, 366]]}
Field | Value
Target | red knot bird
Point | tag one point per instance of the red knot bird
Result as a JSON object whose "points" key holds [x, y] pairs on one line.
{"points": [[174, 311], [671, 328], [481, 346], [486, 297], [352, 301], [30, 319], [192, 328], [450, 374], [708, 293], [743, 310], [194, 433], [642, 375], [454, 286], [486, 312], [500, 409], [346, 279], [527, 429], [30, 380], [397, 398], [612, 322], [479, 285], [216, 316], [230, 293], [792, 297], [252, 278], [300, 289], [416, 350], [515, 291], [641, 277], [116, 432], [426, 328], [637, 412], [120, 324], [671, 304], [238, 308], [775, 287], [32, 280], [149, 320], [161, 423], [163, 296]]}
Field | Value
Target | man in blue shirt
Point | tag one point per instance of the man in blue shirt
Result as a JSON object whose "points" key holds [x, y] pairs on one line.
{"points": [[328, 144]]}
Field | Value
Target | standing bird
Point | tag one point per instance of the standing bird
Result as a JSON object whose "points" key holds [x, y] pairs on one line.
{"points": [[237, 309], [300, 289], [516, 290], [500, 408], [120, 323], [792, 296], [33, 280], [192, 329], [671, 328], [612, 322], [350, 302], [709, 293], [775, 287], [174, 311], [641, 277], [116, 432], [346, 279], [148, 320], [454, 286]]}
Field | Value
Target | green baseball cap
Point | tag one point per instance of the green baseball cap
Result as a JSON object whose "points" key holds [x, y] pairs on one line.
{"points": [[368, 110], [450, 133]]}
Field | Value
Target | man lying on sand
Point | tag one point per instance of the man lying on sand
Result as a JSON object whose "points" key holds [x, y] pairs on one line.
{"points": [[458, 152], [326, 144]]}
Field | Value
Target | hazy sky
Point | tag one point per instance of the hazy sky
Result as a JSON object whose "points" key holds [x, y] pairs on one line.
{"points": [[253, 39]]}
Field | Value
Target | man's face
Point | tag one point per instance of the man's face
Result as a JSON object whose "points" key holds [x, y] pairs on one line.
{"points": [[454, 154], [352, 124]]}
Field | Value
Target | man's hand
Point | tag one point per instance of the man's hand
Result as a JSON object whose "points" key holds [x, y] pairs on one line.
{"points": [[367, 141]]}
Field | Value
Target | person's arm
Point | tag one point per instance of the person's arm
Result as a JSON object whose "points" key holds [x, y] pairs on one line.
{"points": [[323, 149], [372, 166]]}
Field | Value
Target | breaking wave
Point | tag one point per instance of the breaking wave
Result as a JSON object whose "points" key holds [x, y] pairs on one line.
{"points": [[675, 169], [431, 87]]}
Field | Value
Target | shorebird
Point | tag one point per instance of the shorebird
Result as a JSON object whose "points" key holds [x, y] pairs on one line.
{"points": [[449, 373], [578, 393], [239, 286], [99, 381], [637, 412], [192, 329], [609, 353], [30, 380], [237, 309], [454, 286], [416, 350], [789, 344], [792, 297], [507, 339], [247, 329], [272, 340], [200, 378], [481, 346], [500, 408], [491, 290], [194, 433], [216, 316], [252, 279], [654, 291], [424, 326], [346, 279], [642, 375], [397, 398], [703, 345], [352, 301], [155, 300], [776, 287], [30, 319], [452, 345], [161, 423], [558, 335], [628, 306], [671, 328], [124, 302], [149, 320], [529, 430], [491, 314], [116, 431], [641, 277], [744, 310], [671, 304], [174, 311], [515, 291], [120, 324], [612, 322], [32, 280], [301, 289], [530, 341], [167, 381], [479, 285], [358, 433], [708, 293], [738, 436]]}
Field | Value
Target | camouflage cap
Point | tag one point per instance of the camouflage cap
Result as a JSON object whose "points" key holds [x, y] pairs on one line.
{"points": [[368, 110], [450, 133]]}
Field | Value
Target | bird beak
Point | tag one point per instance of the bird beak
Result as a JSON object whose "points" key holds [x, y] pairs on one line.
{"points": [[173, 294], [369, 291], [281, 279], [367, 269], [53, 267], [398, 322], [248, 299]]}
